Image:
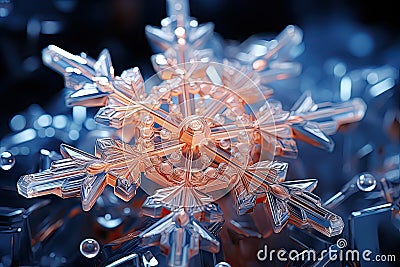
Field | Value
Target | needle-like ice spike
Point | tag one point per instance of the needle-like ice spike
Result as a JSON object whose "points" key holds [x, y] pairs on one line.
{"points": [[180, 236], [118, 165]]}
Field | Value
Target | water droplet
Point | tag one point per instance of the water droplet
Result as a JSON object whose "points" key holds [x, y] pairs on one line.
{"points": [[7, 160], [366, 182], [89, 248]]}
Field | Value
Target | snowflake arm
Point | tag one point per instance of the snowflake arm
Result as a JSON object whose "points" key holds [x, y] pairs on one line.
{"points": [[79, 173], [307, 121], [287, 201]]}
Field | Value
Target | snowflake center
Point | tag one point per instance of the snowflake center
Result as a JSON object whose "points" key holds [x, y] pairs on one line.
{"points": [[194, 131]]}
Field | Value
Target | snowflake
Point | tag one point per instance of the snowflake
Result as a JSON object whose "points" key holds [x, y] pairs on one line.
{"points": [[201, 128]]}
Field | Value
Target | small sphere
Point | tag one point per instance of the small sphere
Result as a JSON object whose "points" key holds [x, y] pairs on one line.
{"points": [[366, 182], [7, 160], [89, 248]]}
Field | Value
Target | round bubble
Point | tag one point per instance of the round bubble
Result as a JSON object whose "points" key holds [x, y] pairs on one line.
{"points": [[89, 248], [366, 182], [7, 160]]}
